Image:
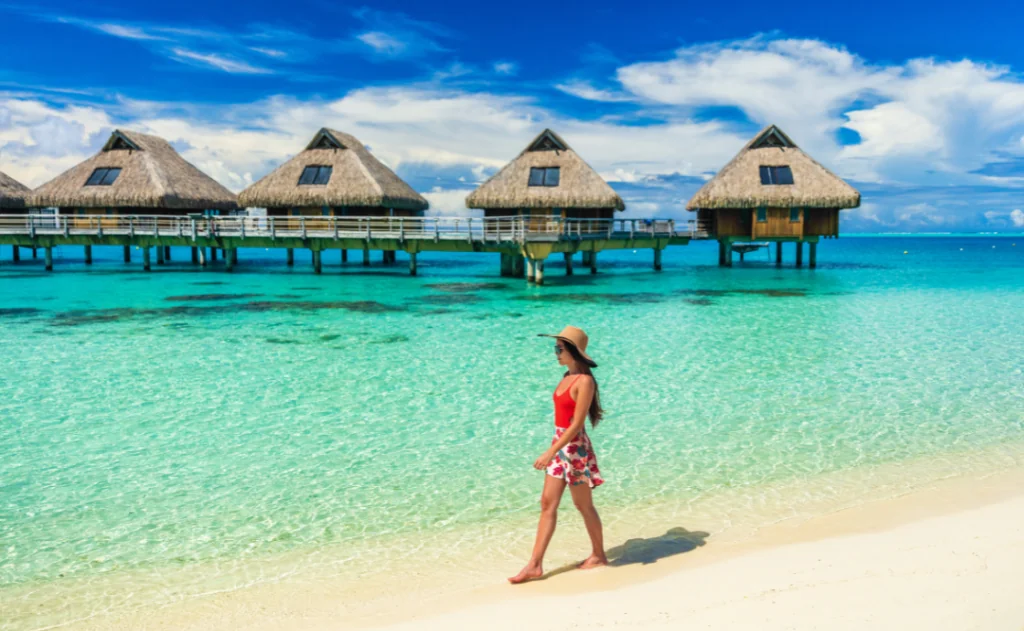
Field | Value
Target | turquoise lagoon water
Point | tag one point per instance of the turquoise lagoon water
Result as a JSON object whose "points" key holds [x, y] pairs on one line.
{"points": [[191, 418]]}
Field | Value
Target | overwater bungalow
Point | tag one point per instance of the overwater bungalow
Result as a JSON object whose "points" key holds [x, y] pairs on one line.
{"points": [[772, 192], [12, 195], [548, 179], [335, 175], [134, 174]]}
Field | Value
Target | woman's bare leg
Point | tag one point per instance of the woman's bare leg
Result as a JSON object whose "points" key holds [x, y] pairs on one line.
{"points": [[549, 499], [582, 497]]}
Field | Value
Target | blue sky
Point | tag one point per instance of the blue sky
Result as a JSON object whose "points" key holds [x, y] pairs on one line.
{"points": [[919, 106]]}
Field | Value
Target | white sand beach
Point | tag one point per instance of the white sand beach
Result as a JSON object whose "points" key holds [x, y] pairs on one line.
{"points": [[898, 566]]}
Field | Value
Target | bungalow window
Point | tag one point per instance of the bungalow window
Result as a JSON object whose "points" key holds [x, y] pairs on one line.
{"points": [[762, 214], [103, 176], [544, 176], [315, 175], [776, 175], [794, 214]]}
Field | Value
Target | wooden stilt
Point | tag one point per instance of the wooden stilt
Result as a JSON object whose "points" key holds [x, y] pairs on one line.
{"points": [[127, 254], [88, 255], [728, 254], [49, 259], [721, 254], [799, 253], [778, 253], [812, 251], [234, 255], [290, 256], [412, 263], [742, 255], [531, 269], [504, 264], [145, 258], [366, 257], [593, 262], [160, 255], [17, 253], [568, 263], [213, 255], [195, 255], [229, 260], [167, 252], [34, 254], [538, 272], [344, 256], [316, 261], [657, 259], [518, 265], [585, 258], [202, 257]]}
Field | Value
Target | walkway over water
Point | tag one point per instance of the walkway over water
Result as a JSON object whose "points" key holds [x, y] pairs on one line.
{"points": [[522, 241]]}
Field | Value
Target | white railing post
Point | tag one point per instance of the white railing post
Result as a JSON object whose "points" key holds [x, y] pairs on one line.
{"points": [[302, 225], [273, 231], [437, 229], [156, 227], [367, 228], [99, 227], [401, 228], [131, 226], [241, 227], [632, 228], [192, 227], [334, 221], [181, 230]]}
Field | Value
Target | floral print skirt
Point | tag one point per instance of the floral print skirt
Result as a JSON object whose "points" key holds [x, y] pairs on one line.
{"points": [[576, 463]]}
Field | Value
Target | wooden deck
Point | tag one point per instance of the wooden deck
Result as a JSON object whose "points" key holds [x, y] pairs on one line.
{"points": [[518, 238]]}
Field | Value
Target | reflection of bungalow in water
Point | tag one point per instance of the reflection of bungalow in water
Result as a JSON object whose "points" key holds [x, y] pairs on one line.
{"points": [[548, 179], [772, 191], [334, 175], [12, 195], [134, 174]]}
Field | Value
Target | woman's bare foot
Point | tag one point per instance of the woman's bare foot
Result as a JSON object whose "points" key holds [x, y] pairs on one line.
{"points": [[592, 561], [528, 573]]}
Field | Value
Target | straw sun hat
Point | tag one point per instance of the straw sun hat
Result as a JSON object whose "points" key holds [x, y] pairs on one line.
{"points": [[575, 336]]}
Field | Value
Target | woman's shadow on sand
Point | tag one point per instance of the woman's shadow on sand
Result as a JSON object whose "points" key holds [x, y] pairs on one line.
{"points": [[646, 551]]}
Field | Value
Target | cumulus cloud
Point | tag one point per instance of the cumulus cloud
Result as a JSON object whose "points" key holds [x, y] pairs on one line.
{"points": [[585, 90], [1017, 217]]}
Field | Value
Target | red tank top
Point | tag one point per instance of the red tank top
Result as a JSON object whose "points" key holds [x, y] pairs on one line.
{"points": [[565, 407]]}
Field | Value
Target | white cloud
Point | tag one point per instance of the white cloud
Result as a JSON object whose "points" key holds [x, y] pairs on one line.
{"points": [[1017, 217], [450, 202], [269, 52], [125, 31], [382, 43], [506, 68], [219, 62], [584, 90]]}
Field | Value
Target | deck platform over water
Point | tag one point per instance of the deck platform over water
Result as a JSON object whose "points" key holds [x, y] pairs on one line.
{"points": [[523, 241]]}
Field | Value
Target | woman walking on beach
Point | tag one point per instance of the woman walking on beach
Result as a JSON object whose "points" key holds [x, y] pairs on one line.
{"points": [[570, 459]]}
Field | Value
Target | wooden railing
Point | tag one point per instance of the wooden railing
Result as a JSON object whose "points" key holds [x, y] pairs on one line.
{"points": [[484, 229]]}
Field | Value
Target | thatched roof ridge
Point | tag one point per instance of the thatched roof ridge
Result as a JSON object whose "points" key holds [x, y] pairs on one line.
{"points": [[738, 184], [153, 175], [12, 192], [357, 179], [579, 184]]}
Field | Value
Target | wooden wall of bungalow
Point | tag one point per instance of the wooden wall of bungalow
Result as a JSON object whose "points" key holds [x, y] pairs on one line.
{"points": [[540, 216], [346, 211], [769, 222]]}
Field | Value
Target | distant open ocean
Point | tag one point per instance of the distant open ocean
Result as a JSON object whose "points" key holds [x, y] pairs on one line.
{"points": [[186, 431]]}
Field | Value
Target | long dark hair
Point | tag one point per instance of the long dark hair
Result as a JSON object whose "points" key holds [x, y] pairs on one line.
{"points": [[596, 412]]}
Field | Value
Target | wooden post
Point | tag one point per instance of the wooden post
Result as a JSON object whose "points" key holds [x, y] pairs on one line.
{"points": [[568, 263], [159, 255], [657, 259], [505, 264], [728, 254], [778, 253], [518, 265], [531, 269], [742, 255], [127, 254], [593, 262], [17, 253], [585, 257], [167, 252], [412, 263], [88, 255], [145, 257], [316, 261], [213, 254], [344, 256], [812, 248], [721, 254], [34, 253], [234, 256], [229, 261], [538, 272], [366, 256], [195, 255], [290, 256], [49, 259], [202, 256], [799, 253]]}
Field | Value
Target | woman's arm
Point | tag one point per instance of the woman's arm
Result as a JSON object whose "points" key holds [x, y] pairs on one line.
{"points": [[584, 395]]}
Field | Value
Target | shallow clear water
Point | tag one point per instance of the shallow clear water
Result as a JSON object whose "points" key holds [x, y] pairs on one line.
{"points": [[189, 416]]}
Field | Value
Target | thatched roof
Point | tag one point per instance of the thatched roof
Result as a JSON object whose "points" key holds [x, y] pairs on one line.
{"points": [[12, 192], [579, 185], [738, 184], [357, 179], [152, 175]]}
